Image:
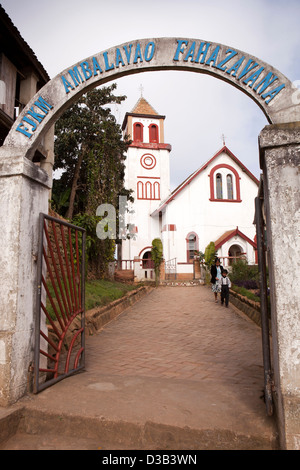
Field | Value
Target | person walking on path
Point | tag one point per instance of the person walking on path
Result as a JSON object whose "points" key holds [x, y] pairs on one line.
{"points": [[225, 286], [216, 274]]}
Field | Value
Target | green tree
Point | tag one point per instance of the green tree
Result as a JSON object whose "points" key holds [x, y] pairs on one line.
{"points": [[90, 151], [210, 254], [157, 256]]}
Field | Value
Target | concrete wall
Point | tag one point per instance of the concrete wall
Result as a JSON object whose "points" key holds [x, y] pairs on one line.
{"points": [[24, 192], [280, 160]]}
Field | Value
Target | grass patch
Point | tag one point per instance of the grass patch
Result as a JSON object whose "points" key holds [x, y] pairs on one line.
{"points": [[246, 293], [97, 294], [101, 292]]}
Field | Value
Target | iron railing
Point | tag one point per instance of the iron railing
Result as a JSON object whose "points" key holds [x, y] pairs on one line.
{"points": [[171, 269]]}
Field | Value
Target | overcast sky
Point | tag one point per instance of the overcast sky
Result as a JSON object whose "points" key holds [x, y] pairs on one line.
{"points": [[198, 108]]}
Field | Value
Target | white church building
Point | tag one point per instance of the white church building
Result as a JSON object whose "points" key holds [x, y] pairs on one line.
{"points": [[215, 203]]}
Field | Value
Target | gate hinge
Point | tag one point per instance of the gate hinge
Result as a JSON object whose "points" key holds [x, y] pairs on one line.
{"points": [[273, 386]]}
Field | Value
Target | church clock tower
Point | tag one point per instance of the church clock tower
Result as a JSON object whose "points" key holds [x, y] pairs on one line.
{"points": [[147, 173]]}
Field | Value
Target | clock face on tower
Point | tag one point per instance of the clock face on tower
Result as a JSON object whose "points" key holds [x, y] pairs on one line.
{"points": [[148, 161]]}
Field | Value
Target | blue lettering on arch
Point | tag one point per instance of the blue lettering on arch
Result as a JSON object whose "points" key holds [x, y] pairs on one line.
{"points": [[149, 56], [265, 82], [213, 57], [68, 86], [221, 64], [128, 53], [138, 54], [42, 105], [30, 122], [251, 64], [85, 67], [271, 94], [253, 77], [190, 53], [202, 51], [96, 67], [119, 58], [236, 67], [24, 130], [76, 77], [179, 49], [107, 65], [38, 117]]}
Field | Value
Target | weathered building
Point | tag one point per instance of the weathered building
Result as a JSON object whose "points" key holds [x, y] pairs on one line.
{"points": [[215, 203], [21, 77]]}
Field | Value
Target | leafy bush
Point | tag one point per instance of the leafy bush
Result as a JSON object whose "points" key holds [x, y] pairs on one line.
{"points": [[247, 283], [246, 293], [242, 272], [210, 254], [157, 256]]}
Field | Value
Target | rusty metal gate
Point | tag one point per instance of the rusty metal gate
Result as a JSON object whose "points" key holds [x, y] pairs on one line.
{"points": [[264, 304], [60, 319]]}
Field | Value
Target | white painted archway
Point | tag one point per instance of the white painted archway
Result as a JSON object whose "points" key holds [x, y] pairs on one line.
{"points": [[24, 194], [270, 89]]}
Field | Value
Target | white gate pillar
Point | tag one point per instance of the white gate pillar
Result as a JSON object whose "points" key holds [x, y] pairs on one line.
{"points": [[24, 193], [280, 161]]}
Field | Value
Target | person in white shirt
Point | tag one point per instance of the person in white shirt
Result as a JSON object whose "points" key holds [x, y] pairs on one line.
{"points": [[225, 284], [216, 271]]}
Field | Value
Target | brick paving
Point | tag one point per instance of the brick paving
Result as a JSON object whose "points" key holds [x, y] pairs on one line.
{"points": [[179, 332], [173, 371]]}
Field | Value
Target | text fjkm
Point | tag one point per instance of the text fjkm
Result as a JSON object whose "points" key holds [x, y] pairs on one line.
{"points": [[228, 63]]}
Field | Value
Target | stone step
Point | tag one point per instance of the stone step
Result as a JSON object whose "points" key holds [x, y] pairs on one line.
{"points": [[38, 430], [188, 283]]}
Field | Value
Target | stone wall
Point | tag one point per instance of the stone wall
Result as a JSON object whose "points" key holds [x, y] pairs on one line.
{"points": [[247, 306]]}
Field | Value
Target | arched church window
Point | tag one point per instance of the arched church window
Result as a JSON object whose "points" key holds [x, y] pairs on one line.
{"points": [[138, 132], [229, 187], [153, 133], [224, 186], [148, 190], [219, 188], [140, 190], [156, 190], [191, 246]]}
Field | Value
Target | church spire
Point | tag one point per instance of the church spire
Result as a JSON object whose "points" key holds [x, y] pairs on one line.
{"points": [[144, 107]]}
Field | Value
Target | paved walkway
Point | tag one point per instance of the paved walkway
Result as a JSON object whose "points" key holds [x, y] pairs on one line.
{"points": [[173, 371]]}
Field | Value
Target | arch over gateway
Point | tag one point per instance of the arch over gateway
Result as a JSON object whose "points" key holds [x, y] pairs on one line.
{"points": [[24, 194], [268, 87]]}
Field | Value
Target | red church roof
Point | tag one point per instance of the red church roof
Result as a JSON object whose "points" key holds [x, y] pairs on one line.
{"points": [[143, 107], [230, 234]]}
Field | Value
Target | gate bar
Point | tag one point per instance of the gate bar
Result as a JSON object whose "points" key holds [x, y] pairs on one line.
{"points": [[264, 306], [37, 387]]}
